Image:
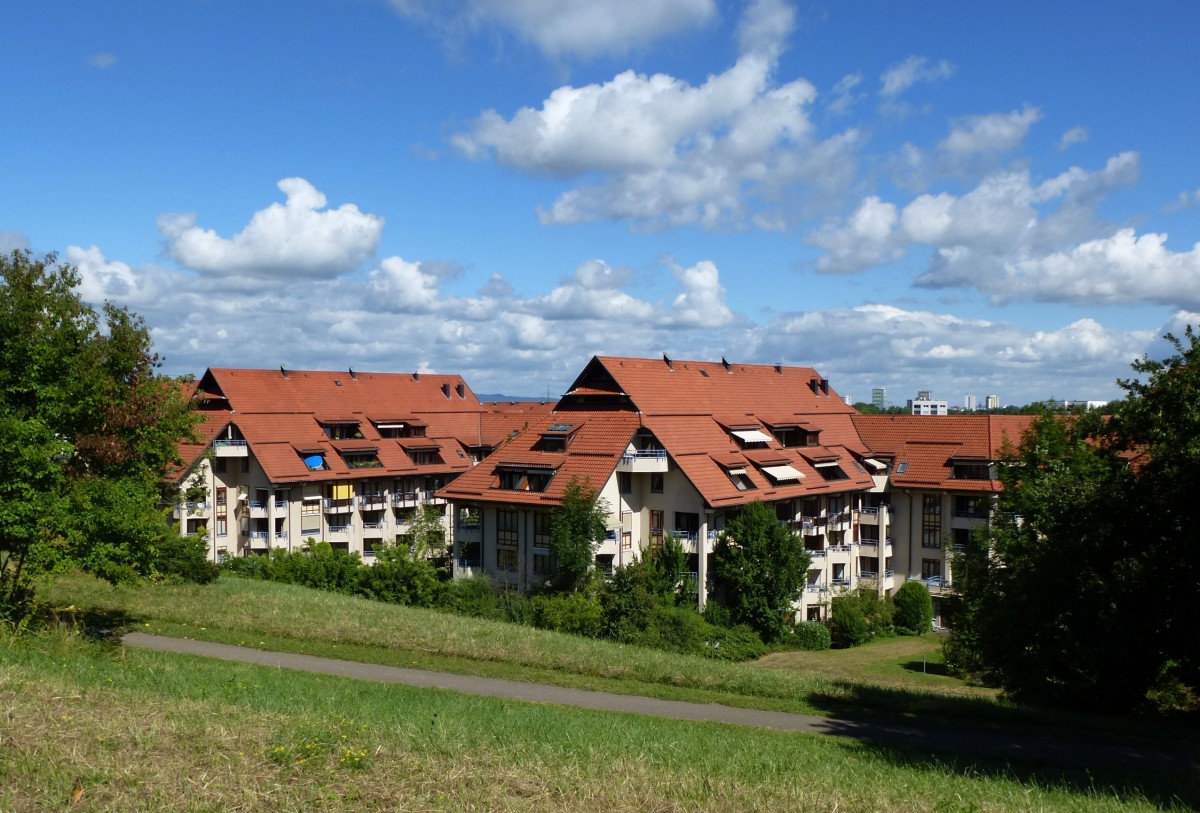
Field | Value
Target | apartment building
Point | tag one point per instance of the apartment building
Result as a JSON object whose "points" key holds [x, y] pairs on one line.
{"points": [[939, 487], [676, 448], [288, 456]]}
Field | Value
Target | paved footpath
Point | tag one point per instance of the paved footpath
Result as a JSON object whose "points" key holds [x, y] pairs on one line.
{"points": [[1023, 747]]}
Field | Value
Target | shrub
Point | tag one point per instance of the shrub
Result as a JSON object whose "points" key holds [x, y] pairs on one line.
{"points": [[847, 626], [576, 613], [913, 609], [810, 635], [740, 643], [399, 577], [474, 597], [184, 558], [322, 568]]}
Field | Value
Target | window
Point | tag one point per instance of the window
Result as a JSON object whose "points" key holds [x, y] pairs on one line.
{"points": [[222, 499], [522, 479], [553, 443], [222, 526], [931, 521], [626, 540], [972, 507], [741, 479], [506, 528], [542, 564], [656, 528], [541, 531], [220, 466], [506, 558], [424, 457], [971, 471], [901, 468], [687, 523], [625, 482], [835, 503], [656, 482], [310, 507], [869, 534], [831, 471], [362, 459], [245, 465], [962, 538], [931, 569], [341, 430]]}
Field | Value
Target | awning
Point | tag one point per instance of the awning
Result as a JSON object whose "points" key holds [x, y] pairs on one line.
{"points": [[735, 472], [782, 472], [825, 464], [875, 464], [752, 435], [316, 498], [389, 426]]}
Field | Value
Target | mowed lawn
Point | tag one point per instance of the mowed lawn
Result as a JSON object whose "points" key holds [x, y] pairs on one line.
{"points": [[120, 729]]}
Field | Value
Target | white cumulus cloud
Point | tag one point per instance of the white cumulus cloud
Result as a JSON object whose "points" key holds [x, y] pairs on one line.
{"points": [[903, 75], [994, 132], [299, 238]]}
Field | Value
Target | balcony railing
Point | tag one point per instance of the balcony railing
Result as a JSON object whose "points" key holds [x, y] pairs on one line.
{"points": [[644, 454], [257, 504], [372, 527], [229, 444], [687, 537], [840, 582], [372, 501], [280, 503], [404, 498], [817, 588], [337, 505], [840, 548], [258, 535], [871, 543], [341, 529], [817, 553], [281, 536]]}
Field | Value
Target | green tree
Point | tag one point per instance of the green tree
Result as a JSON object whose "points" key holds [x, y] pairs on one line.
{"points": [[1083, 588], [576, 527], [913, 609], [90, 433], [427, 534], [759, 566]]}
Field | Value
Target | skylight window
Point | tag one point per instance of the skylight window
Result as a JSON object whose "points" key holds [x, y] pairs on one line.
{"points": [[901, 468]]}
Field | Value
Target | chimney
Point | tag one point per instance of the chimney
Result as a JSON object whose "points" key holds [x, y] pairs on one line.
{"points": [[353, 374], [779, 367], [825, 386], [726, 365], [283, 370], [416, 376], [667, 359], [814, 385]]}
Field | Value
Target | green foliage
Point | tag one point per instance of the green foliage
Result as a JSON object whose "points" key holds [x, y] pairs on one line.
{"points": [[576, 526], [810, 635], [90, 433], [1083, 589], [401, 575], [475, 597], [321, 567], [913, 609], [428, 530], [847, 625], [577, 613], [759, 566], [185, 558]]}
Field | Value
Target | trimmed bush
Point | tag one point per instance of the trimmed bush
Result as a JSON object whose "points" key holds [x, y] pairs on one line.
{"points": [[913, 609], [847, 626], [474, 597], [576, 613], [810, 635], [400, 578]]}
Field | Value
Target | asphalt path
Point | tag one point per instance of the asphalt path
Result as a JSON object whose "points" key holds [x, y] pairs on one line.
{"points": [[935, 739]]}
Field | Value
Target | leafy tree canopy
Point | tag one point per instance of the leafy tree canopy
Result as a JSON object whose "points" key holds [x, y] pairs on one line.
{"points": [[1083, 588], [576, 527], [760, 567], [88, 428]]}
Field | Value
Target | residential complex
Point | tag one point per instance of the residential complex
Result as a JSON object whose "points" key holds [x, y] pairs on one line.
{"points": [[674, 448], [925, 404]]}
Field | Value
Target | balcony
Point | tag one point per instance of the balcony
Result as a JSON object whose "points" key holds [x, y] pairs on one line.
{"points": [[281, 536], [258, 508], [938, 585], [198, 508], [869, 543], [840, 582], [429, 497], [405, 499], [817, 588], [817, 553], [373, 529], [469, 534], [372, 502], [644, 461], [280, 504], [341, 530], [868, 516], [332, 506], [841, 548], [466, 568], [231, 448]]}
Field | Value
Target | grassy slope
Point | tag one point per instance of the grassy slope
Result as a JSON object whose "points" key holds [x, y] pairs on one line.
{"points": [[136, 730]]}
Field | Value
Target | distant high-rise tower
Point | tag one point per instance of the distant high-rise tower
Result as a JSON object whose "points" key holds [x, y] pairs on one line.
{"points": [[879, 398], [993, 402], [970, 404]]}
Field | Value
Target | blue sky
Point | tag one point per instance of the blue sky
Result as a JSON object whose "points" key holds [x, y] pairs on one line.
{"points": [[980, 198]]}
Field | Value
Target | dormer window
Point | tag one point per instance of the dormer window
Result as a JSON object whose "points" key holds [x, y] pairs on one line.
{"points": [[365, 458], [556, 438], [751, 438], [424, 455], [340, 429], [314, 459], [971, 470], [783, 473], [522, 478], [741, 480], [830, 470]]}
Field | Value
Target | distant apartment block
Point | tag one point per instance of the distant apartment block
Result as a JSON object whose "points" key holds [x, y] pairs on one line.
{"points": [[925, 404], [879, 398], [992, 402]]}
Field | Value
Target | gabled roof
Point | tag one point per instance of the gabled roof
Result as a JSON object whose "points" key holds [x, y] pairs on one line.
{"points": [[930, 445], [282, 414], [597, 444]]}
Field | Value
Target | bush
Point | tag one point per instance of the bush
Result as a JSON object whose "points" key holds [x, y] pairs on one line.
{"points": [[322, 568], [399, 577], [847, 625], [913, 609], [809, 635], [184, 558], [474, 597], [576, 613], [740, 643]]}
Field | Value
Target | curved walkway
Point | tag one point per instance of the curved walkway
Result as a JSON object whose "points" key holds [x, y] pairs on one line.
{"points": [[1022, 747]]}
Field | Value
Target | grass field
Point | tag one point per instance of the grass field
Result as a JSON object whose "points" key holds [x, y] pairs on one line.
{"points": [[130, 730]]}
